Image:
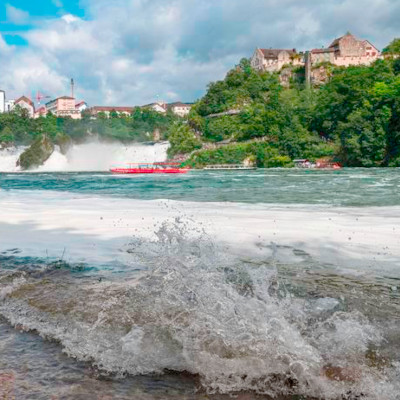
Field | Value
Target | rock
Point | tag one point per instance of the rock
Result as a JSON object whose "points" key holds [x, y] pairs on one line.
{"points": [[37, 154], [342, 374], [64, 142], [156, 135]]}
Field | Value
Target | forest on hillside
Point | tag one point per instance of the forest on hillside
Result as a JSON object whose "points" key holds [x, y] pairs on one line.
{"points": [[354, 118]]}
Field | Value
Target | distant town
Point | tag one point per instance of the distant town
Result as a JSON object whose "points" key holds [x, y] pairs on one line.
{"points": [[68, 106], [344, 51]]}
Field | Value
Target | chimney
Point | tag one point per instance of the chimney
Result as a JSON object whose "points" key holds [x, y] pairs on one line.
{"points": [[72, 88]]}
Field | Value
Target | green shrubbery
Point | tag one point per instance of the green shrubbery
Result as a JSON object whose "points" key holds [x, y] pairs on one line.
{"points": [[18, 128], [40, 150], [353, 118], [182, 139], [263, 154]]}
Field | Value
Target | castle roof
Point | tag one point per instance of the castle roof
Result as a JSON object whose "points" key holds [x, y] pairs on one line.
{"points": [[179, 104], [336, 41], [274, 53], [325, 50]]}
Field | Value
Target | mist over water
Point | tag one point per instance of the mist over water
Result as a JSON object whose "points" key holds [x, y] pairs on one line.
{"points": [[9, 157], [91, 156]]}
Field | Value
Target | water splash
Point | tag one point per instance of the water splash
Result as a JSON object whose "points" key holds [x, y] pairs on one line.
{"points": [[91, 156], [201, 310], [9, 157]]}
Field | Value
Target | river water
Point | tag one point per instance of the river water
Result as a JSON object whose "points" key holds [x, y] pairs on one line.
{"points": [[258, 284]]}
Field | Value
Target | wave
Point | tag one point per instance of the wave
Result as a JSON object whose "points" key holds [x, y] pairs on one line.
{"points": [[231, 321], [91, 156]]}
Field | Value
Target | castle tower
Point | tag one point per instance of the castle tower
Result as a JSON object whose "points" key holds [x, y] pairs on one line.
{"points": [[307, 59]]}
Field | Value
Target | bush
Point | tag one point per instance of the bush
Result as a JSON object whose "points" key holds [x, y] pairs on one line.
{"points": [[182, 140]]}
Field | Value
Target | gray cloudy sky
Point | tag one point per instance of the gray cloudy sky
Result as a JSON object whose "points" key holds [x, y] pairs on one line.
{"points": [[129, 52]]}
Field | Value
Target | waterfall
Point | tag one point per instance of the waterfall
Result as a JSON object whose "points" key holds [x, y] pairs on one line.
{"points": [[91, 156]]}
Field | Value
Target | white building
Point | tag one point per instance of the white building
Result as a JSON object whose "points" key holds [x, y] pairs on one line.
{"points": [[5, 105], [81, 106], [9, 105], [2, 101], [180, 109], [159, 107]]}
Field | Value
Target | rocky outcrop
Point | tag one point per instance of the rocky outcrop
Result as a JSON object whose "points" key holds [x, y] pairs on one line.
{"points": [[64, 142], [37, 154]]}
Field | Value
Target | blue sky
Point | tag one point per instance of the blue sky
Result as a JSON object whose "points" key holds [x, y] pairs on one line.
{"points": [[129, 52], [30, 12]]}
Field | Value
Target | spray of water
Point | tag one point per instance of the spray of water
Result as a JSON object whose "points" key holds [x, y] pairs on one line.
{"points": [[91, 156], [196, 308]]}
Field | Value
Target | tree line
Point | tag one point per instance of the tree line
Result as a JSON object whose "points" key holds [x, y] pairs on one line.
{"points": [[17, 128]]}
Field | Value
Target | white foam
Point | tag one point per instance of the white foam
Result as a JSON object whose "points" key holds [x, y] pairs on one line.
{"points": [[188, 312], [9, 158], [91, 156], [199, 309], [363, 238]]}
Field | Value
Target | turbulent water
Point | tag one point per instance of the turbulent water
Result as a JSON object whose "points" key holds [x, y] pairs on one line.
{"points": [[260, 284], [90, 156]]}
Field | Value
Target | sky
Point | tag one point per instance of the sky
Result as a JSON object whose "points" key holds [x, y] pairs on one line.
{"points": [[134, 52]]}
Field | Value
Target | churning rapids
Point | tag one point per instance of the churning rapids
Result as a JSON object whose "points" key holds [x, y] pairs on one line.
{"points": [[90, 156], [153, 298]]}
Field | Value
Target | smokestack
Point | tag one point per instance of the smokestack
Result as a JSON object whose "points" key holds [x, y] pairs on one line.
{"points": [[72, 88]]}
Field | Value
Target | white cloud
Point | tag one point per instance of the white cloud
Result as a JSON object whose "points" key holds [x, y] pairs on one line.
{"points": [[16, 16], [130, 51], [3, 45], [70, 19]]}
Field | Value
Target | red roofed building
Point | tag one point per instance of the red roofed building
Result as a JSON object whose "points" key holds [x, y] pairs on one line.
{"points": [[63, 107], [40, 112], [81, 106], [107, 110], [159, 107], [27, 104], [345, 51]]}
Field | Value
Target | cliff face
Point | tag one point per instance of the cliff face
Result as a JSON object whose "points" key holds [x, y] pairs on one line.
{"points": [[37, 154]]}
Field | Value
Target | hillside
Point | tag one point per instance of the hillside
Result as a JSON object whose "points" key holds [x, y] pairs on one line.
{"points": [[353, 118]]}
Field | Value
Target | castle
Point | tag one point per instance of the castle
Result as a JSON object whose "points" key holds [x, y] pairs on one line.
{"points": [[344, 51]]}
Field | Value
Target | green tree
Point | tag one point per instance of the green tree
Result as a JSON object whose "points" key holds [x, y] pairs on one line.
{"points": [[393, 48], [182, 139], [6, 136]]}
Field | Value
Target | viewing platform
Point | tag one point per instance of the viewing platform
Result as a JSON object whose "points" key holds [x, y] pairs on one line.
{"points": [[229, 167]]}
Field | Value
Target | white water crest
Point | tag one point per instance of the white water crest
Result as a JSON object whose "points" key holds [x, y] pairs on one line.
{"points": [[90, 156], [9, 157], [199, 309]]}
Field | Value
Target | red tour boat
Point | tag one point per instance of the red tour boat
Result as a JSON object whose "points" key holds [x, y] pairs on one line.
{"points": [[151, 168]]}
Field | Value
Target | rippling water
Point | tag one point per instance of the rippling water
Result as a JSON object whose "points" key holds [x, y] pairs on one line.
{"points": [[262, 284], [348, 187]]}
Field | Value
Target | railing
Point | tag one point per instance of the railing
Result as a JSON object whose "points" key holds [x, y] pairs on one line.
{"points": [[229, 166]]}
